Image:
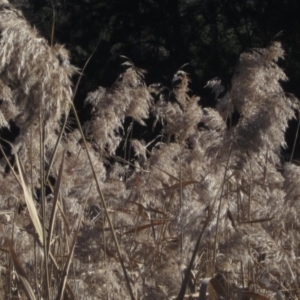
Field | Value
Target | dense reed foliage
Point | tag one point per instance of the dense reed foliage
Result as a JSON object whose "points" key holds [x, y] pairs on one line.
{"points": [[80, 222]]}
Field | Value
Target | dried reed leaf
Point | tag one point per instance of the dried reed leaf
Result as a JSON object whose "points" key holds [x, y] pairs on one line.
{"points": [[257, 221], [146, 226], [55, 201], [7, 160], [141, 209], [109, 253], [120, 159], [157, 211], [33, 213], [65, 219], [59, 270], [20, 271], [4, 212], [254, 296], [168, 173]]}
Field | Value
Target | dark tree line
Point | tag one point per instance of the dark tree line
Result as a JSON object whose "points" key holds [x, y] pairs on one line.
{"points": [[161, 36]]}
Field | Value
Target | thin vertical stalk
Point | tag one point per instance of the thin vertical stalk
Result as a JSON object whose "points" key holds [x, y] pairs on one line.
{"points": [[53, 23], [266, 165], [249, 203], [99, 190], [43, 201], [36, 269], [180, 199], [219, 209], [238, 202], [131, 133], [242, 272], [296, 137], [187, 273]]}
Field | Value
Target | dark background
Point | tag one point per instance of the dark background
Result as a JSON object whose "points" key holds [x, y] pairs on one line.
{"points": [[160, 36]]}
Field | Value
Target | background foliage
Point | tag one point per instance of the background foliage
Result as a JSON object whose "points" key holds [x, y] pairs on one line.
{"points": [[208, 34]]}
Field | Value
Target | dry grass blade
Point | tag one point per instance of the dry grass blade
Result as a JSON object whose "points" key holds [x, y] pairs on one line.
{"points": [[29, 201], [169, 174], [8, 162], [296, 137], [120, 159], [4, 212], [20, 271], [65, 273], [219, 208], [254, 296], [72, 295], [99, 190], [53, 24], [64, 278], [55, 201], [142, 210], [190, 266], [257, 221], [43, 205], [66, 223], [109, 253], [145, 226]]}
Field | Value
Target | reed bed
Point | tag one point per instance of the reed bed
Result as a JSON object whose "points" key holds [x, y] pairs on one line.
{"points": [[208, 209]]}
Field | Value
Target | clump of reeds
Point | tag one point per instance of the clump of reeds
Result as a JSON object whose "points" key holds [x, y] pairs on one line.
{"points": [[128, 97], [206, 204], [35, 85]]}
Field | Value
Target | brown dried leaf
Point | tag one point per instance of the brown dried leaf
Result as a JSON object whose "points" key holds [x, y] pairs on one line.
{"points": [[146, 226], [20, 271]]}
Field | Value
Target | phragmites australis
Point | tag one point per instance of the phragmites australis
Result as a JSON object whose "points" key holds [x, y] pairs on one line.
{"points": [[143, 212], [35, 77], [128, 97]]}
